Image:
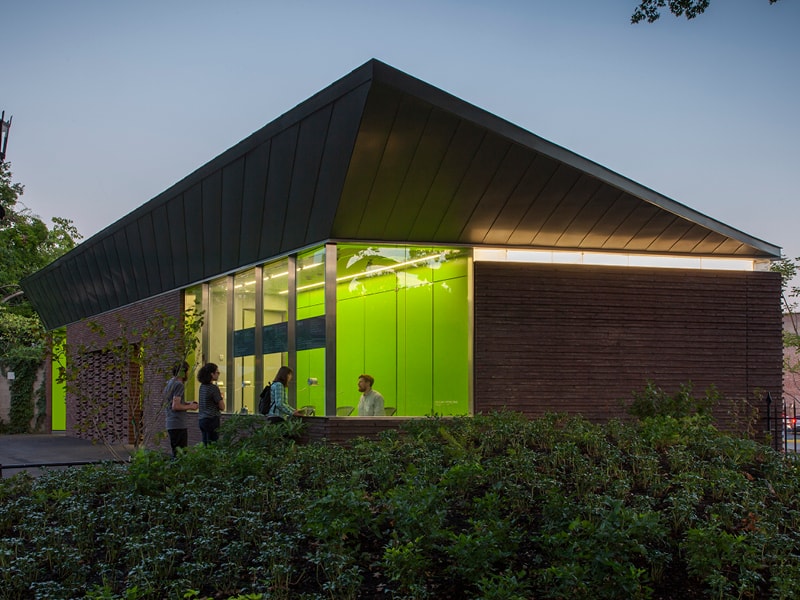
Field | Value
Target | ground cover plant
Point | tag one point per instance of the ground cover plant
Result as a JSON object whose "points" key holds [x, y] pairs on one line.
{"points": [[491, 507]]}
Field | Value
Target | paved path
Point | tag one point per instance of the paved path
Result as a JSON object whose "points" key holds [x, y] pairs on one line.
{"points": [[52, 448]]}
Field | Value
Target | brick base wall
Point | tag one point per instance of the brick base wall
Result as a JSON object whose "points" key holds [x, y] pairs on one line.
{"points": [[552, 338], [572, 339], [113, 411]]}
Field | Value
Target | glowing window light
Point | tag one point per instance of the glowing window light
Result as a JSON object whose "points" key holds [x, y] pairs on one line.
{"points": [[371, 272], [276, 275], [614, 259]]}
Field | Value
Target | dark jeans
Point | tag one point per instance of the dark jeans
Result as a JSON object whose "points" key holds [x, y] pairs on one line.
{"points": [[208, 429], [178, 438]]}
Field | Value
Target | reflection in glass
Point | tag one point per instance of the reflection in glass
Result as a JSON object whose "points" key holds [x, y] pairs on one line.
{"points": [[310, 332], [217, 323], [403, 317], [193, 305], [275, 306], [244, 322]]}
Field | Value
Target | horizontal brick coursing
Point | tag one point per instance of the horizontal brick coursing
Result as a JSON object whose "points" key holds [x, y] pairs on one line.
{"points": [[553, 338], [340, 430]]}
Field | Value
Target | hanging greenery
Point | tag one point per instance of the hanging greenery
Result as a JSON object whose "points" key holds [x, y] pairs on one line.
{"points": [[22, 352]]}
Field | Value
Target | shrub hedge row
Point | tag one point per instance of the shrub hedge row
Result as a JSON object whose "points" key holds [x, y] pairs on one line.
{"points": [[491, 507]]}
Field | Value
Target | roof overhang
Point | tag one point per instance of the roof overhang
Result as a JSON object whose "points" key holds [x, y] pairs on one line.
{"points": [[376, 156]]}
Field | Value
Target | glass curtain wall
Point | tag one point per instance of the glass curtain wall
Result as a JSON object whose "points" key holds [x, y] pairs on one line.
{"points": [[275, 307], [402, 316], [310, 332], [217, 329], [244, 327]]}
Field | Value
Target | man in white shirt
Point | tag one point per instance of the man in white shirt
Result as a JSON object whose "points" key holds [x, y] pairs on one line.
{"points": [[371, 402]]}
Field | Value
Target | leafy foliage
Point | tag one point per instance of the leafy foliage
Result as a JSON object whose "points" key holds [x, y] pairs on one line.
{"points": [[655, 402], [26, 245], [790, 294], [650, 10], [492, 507]]}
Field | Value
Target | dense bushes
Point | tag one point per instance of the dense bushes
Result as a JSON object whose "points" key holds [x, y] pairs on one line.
{"points": [[492, 507]]}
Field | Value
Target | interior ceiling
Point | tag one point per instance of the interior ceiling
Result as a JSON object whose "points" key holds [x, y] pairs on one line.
{"points": [[378, 156]]}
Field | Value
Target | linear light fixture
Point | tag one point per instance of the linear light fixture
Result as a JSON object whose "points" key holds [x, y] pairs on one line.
{"points": [[616, 259], [371, 272]]}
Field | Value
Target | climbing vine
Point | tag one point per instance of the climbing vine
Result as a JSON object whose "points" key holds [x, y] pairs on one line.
{"points": [[22, 352]]}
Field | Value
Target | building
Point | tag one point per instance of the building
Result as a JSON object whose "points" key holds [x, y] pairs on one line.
{"points": [[385, 226]]}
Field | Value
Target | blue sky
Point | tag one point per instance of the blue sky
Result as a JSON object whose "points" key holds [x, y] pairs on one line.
{"points": [[113, 102]]}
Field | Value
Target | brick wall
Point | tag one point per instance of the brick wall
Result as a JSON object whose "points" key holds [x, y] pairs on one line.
{"points": [[107, 406], [551, 338], [573, 339]]}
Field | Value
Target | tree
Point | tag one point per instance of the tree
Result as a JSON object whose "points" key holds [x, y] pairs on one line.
{"points": [[790, 297], [26, 245], [650, 10]]}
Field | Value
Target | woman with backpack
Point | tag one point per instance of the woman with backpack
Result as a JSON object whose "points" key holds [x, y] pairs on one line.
{"points": [[279, 407]]}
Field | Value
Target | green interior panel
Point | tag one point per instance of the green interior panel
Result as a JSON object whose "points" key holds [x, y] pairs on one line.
{"points": [[402, 316], [350, 348], [453, 267], [450, 348], [311, 364], [387, 326], [380, 343], [311, 303], [418, 360], [58, 397]]}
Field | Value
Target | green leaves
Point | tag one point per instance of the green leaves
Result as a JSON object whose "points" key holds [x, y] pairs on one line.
{"points": [[494, 507], [650, 10]]}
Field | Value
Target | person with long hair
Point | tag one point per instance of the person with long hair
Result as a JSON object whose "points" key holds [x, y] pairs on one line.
{"points": [[279, 407], [212, 403]]}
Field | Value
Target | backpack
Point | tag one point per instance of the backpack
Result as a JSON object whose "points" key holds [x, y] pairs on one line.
{"points": [[265, 403]]}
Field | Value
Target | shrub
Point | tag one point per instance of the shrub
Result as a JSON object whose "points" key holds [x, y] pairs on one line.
{"points": [[493, 507]]}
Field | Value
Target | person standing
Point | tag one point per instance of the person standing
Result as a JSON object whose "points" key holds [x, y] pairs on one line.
{"points": [[279, 407], [212, 403], [371, 402], [175, 408]]}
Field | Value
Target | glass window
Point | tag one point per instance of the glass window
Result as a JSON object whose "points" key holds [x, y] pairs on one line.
{"points": [[217, 324], [193, 306], [403, 317], [244, 349], [275, 306], [310, 331]]}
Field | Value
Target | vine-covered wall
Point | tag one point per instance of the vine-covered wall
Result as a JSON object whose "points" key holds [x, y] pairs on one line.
{"points": [[23, 400]]}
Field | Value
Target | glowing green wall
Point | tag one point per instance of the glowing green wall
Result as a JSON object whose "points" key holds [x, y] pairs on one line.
{"points": [[402, 316], [408, 327], [58, 395]]}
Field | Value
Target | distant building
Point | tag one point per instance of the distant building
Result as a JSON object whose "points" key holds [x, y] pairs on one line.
{"points": [[386, 227]]}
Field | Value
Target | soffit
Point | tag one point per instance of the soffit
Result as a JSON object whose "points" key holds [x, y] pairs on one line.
{"points": [[428, 167]]}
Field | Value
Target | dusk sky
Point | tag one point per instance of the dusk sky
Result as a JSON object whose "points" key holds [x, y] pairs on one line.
{"points": [[113, 102]]}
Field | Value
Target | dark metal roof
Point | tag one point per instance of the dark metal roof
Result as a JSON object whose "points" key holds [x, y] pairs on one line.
{"points": [[378, 155]]}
